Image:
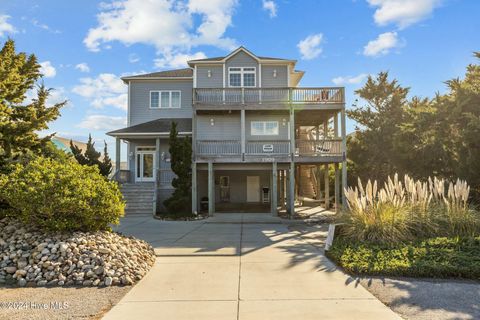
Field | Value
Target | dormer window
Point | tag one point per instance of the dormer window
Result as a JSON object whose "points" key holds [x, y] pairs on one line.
{"points": [[241, 76]]}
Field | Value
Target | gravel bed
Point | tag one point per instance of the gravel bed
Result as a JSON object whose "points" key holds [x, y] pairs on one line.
{"points": [[58, 302], [31, 257]]}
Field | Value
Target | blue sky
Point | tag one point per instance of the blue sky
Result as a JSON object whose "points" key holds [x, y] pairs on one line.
{"points": [[85, 46]]}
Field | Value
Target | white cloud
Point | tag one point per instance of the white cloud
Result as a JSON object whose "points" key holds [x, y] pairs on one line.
{"points": [[271, 7], [133, 58], [177, 60], [350, 79], [102, 122], [402, 12], [44, 26], [47, 69], [83, 67], [172, 26], [5, 27], [105, 90], [382, 45], [310, 46]]}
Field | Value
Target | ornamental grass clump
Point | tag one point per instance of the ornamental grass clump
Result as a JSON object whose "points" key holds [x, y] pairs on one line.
{"points": [[408, 210]]}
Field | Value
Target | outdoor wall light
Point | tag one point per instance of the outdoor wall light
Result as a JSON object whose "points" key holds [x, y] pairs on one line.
{"points": [[162, 156], [212, 122], [130, 154], [284, 122], [274, 73], [209, 73]]}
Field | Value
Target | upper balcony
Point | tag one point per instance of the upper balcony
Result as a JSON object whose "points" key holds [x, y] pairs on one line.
{"points": [[268, 98]]}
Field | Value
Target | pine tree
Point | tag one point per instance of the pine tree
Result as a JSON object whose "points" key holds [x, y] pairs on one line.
{"points": [[21, 120], [91, 157], [106, 164], [77, 154]]}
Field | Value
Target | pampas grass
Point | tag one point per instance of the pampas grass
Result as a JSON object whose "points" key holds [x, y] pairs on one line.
{"points": [[409, 209]]}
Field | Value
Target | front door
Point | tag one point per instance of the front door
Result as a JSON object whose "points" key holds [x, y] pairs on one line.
{"points": [[253, 189], [145, 166], [225, 189]]}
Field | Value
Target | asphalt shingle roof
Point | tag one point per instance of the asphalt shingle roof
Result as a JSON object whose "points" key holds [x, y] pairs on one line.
{"points": [[177, 73], [157, 126]]}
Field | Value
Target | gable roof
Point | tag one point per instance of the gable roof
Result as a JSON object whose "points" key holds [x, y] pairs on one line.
{"points": [[170, 74], [234, 52], [155, 127]]}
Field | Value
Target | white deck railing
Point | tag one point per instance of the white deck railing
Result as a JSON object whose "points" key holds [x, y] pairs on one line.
{"points": [[330, 147], [219, 148], [233, 96], [266, 147]]}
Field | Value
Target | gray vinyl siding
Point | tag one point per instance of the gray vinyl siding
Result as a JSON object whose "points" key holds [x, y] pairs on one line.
{"points": [[215, 80], [140, 110], [282, 129], [241, 59], [268, 81], [226, 127], [238, 183]]}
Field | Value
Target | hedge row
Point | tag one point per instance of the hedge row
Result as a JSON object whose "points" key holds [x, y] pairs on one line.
{"points": [[434, 258]]}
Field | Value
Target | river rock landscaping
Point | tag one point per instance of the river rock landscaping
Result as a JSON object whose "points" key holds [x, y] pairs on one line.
{"points": [[32, 257]]}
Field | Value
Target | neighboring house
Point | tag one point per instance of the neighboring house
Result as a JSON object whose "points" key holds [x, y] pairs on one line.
{"points": [[64, 144], [258, 139]]}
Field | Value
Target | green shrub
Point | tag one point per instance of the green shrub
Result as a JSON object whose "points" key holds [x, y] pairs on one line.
{"points": [[436, 257], [62, 195]]}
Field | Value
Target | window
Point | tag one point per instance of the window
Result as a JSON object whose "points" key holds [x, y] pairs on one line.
{"points": [[165, 99], [264, 128], [241, 77]]}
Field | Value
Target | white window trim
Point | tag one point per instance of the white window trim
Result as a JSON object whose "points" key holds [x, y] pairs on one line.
{"points": [[241, 73], [264, 123], [169, 99]]}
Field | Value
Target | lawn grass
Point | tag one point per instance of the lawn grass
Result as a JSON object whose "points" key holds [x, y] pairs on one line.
{"points": [[454, 257]]}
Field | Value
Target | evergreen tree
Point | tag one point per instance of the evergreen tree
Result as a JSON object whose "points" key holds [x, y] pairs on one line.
{"points": [[180, 203], [372, 150], [91, 157], [106, 163], [20, 120]]}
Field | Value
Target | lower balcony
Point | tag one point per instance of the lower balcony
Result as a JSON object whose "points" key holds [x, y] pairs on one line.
{"points": [[269, 150]]}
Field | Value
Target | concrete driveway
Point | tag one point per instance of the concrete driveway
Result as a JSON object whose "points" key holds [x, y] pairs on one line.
{"points": [[241, 266]]}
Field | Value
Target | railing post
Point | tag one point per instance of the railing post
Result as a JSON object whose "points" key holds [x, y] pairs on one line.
{"points": [[243, 95]]}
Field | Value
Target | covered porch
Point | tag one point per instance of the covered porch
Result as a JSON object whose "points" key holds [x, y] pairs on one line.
{"points": [[148, 158], [266, 188]]}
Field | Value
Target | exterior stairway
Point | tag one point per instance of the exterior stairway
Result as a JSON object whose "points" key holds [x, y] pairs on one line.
{"points": [[139, 198], [307, 182]]}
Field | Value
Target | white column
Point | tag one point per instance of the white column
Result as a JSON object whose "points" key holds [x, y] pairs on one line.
{"points": [[291, 190], [337, 188], [344, 163], [194, 188], [156, 176], [211, 189], [117, 154], [274, 191], [327, 188]]}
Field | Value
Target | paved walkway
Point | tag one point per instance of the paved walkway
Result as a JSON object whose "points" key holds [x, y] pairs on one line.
{"points": [[241, 266]]}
